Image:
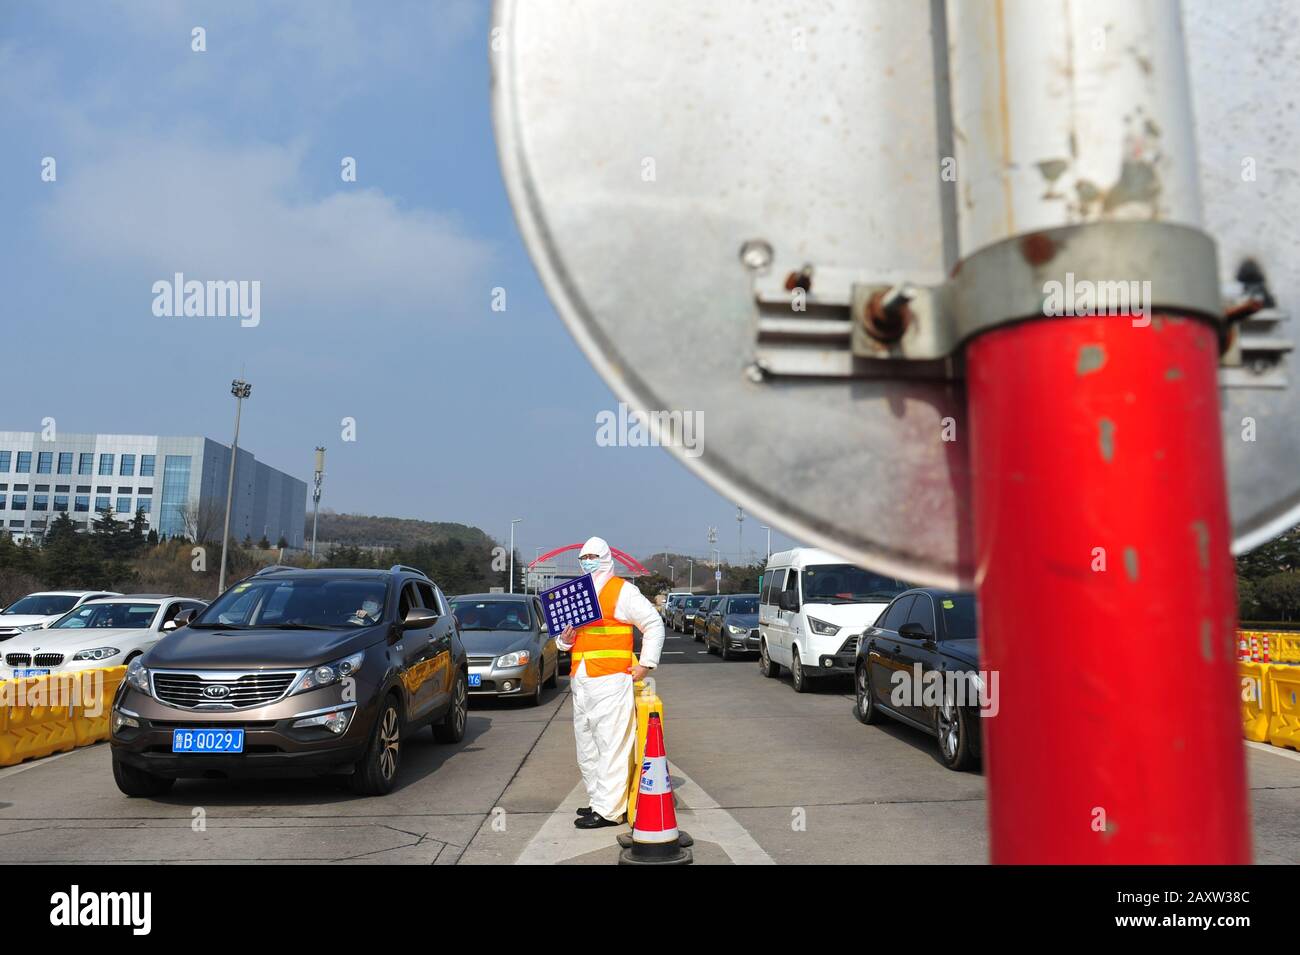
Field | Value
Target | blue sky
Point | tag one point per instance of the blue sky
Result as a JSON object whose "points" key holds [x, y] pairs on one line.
{"points": [[375, 294]]}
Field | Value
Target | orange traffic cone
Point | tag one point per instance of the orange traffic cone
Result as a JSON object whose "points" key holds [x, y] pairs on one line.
{"points": [[1264, 656], [1243, 651], [655, 837], [1254, 648]]}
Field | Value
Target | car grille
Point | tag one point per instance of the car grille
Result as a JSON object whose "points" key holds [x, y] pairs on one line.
{"points": [[19, 659], [248, 690], [753, 634], [48, 659], [481, 661]]}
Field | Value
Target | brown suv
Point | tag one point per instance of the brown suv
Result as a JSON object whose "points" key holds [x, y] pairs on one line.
{"points": [[294, 672]]}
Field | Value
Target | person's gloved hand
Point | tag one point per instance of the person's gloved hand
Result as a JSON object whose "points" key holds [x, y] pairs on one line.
{"points": [[566, 640]]}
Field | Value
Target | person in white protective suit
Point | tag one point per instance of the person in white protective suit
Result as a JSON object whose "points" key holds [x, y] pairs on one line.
{"points": [[602, 677]]}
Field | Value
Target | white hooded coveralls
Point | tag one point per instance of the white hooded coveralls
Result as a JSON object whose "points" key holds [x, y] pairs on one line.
{"points": [[604, 708]]}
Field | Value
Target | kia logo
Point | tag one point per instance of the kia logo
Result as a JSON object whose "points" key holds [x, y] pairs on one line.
{"points": [[218, 691]]}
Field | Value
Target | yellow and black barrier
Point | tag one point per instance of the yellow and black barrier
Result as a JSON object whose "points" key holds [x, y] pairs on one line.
{"points": [[647, 702], [43, 715]]}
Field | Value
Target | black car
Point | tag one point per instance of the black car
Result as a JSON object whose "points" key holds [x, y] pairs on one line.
{"points": [[919, 664], [294, 672], [702, 612], [733, 626]]}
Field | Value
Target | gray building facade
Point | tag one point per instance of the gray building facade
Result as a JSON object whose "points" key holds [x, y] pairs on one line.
{"points": [[178, 482]]}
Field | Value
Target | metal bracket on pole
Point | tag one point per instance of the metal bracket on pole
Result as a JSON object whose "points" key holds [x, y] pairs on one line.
{"points": [[838, 323]]}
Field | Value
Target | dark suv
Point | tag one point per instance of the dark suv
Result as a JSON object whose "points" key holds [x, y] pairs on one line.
{"points": [[294, 672]]}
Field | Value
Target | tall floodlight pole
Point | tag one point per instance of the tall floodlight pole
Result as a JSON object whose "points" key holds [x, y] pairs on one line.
{"points": [[241, 390], [740, 525], [769, 538], [315, 497], [690, 581], [512, 552], [672, 577]]}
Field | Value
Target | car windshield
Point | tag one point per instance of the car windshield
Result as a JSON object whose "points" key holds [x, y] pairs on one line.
{"points": [[116, 616], [743, 605], [692, 602], [844, 583], [958, 616], [42, 605], [492, 614], [297, 603]]}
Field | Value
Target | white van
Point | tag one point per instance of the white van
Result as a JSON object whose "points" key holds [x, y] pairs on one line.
{"points": [[812, 609]]}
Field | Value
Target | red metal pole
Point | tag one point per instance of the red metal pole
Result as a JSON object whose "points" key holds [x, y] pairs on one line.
{"points": [[1107, 594]]}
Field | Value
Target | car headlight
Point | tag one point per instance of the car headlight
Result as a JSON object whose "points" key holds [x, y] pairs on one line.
{"points": [[516, 659], [30, 627], [98, 653], [327, 674], [738, 631], [822, 628], [137, 676]]}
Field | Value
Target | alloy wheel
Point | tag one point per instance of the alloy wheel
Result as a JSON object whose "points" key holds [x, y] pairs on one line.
{"points": [[949, 727], [389, 740]]}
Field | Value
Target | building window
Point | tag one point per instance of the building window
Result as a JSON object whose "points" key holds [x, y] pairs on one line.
{"points": [[44, 462], [144, 505], [65, 462], [101, 504], [4, 461], [106, 464], [128, 466], [20, 502], [82, 504], [124, 505], [124, 490], [83, 488], [41, 502], [146, 465], [2, 502], [143, 490], [175, 495], [60, 502], [24, 462], [85, 463], [103, 489]]}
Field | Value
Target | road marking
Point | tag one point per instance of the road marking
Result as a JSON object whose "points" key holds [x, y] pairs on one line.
{"points": [[671, 653], [43, 761], [697, 812], [1275, 750]]}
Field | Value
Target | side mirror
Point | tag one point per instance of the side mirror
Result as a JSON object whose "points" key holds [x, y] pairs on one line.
{"points": [[911, 629], [182, 619], [417, 618]]}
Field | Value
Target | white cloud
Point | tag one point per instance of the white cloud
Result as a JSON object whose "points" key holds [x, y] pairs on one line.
{"points": [[214, 211]]}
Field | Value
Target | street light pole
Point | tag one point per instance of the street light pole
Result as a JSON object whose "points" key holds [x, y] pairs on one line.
{"points": [[512, 552], [690, 581], [740, 527], [241, 390], [672, 576], [315, 497], [769, 538]]}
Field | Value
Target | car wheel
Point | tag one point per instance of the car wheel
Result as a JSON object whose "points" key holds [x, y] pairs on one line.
{"points": [[536, 698], [864, 707], [798, 678], [376, 772], [953, 729], [136, 782], [451, 728], [766, 665], [722, 647]]}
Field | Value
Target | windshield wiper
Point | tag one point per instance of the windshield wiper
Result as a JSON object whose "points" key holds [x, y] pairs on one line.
{"points": [[299, 626]]}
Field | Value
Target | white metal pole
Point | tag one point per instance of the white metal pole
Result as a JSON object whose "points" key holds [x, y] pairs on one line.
{"points": [[241, 390]]}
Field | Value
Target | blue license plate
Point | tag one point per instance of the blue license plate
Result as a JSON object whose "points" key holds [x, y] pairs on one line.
{"points": [[476, 679], [30, 671], [208, 741]]}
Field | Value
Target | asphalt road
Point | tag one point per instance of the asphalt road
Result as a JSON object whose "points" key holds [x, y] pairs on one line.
{"points": [[762, 775]]}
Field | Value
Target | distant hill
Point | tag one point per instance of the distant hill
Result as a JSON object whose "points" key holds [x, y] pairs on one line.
{"points": [[357, 530]]}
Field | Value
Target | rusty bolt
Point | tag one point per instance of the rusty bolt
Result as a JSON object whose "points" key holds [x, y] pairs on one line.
{"points": [[889, 312], [801, 279]]}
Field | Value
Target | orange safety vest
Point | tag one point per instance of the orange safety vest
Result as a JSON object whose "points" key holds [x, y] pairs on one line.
{"points": [[606, 644]]}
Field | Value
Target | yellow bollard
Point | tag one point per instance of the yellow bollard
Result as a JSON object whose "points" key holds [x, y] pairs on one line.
{"points": [[647, 702]]}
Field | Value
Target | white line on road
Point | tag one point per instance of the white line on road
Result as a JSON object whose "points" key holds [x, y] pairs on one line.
{"points": [[1275, 750], [558, 840]]}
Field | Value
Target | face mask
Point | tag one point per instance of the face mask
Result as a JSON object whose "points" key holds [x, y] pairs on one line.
{"points": [[590, 566]]}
